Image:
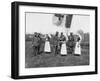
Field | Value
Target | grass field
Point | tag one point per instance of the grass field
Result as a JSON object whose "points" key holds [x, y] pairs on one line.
{"points": [[50, 60]]}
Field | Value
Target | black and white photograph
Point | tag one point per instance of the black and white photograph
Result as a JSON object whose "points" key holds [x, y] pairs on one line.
{"points": [[51, 40]]}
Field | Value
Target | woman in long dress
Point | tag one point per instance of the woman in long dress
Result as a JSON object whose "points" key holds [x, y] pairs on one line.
{"points": [[63, 48], [47, 47], [77, 46], [63, 45]]}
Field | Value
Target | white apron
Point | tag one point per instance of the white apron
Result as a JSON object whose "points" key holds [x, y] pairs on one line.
{"points": [[47, 46], [77, 48], [63, 49]]}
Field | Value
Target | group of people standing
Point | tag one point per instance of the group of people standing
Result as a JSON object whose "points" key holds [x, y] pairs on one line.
{"points": [[56, 44]]}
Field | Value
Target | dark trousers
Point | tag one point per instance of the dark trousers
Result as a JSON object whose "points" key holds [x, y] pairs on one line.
{"points": [[36, 50], [71, 49], [60, 47], [56, 49], [41, 48]]}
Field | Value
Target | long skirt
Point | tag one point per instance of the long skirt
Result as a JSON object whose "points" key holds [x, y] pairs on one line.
{"points": [[47, 47], [63, 49], [78, 49]]}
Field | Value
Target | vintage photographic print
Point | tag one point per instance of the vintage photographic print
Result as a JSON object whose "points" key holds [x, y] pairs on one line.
{"points": [[51, 40]]}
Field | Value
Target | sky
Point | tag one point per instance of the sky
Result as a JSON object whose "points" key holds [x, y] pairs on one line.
{"points": [[43, 23]]}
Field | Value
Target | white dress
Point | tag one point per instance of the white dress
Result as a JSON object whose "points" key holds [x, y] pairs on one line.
{"points": [[77, 48], [47, 46], [63, 49]]}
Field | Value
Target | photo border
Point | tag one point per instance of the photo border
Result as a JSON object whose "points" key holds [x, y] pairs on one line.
{"points": [[15, 39]]}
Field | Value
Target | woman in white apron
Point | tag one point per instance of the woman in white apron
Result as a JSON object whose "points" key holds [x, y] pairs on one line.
{"points": [[77, 46], [63, 45], [47, 45], [63, 48]]}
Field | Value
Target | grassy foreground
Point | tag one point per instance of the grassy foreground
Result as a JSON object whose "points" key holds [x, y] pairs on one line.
{"points": [[50, 60]]}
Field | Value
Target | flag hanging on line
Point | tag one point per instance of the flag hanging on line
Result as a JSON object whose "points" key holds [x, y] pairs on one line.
{"points": [[58, 19], [68, 21]]}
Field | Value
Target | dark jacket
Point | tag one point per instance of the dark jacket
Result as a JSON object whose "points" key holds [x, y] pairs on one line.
{"points": [[35, 41], [56, 40], [71, 41]]}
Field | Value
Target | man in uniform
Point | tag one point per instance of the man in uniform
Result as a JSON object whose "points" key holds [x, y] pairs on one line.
{"points": [[56, 40], [52, 44], [71, 43], [41, 44], [35, 43]]}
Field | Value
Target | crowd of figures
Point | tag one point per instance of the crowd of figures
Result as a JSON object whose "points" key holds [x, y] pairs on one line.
{"points": [[56, 44]]}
